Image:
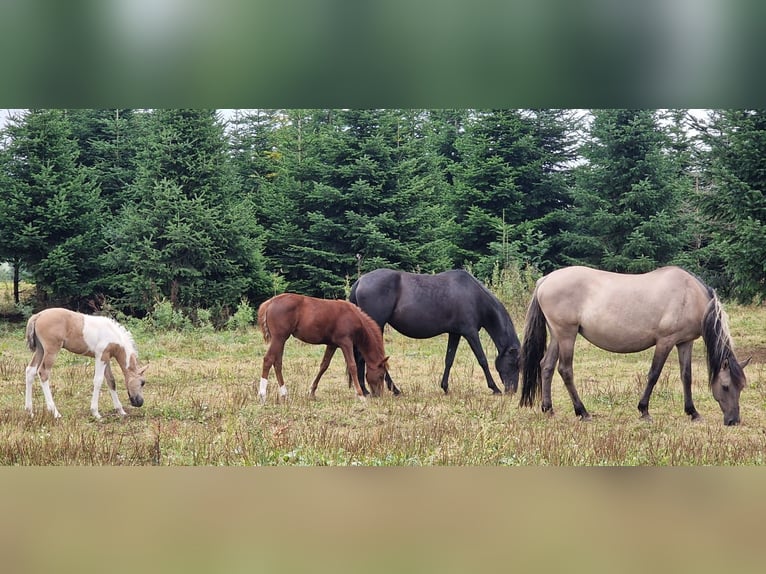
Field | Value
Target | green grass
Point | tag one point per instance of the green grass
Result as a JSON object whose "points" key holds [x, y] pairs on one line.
{"points": [[201, 408]]}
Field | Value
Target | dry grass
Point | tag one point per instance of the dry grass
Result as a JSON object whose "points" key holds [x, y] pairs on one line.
{"points": [[202, 409]]}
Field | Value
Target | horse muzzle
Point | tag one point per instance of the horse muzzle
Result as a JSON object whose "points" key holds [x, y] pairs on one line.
{"points": [[136, 401], [731, 422]]}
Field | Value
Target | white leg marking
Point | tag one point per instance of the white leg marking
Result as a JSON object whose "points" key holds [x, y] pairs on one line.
{"points": [[98, 380], [283, 391], [117, 403], [30, 379], [49, 399], [262, 389]]}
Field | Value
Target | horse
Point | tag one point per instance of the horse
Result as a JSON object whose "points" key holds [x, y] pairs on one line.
{"points": [[622, 313], [334, 323], [103, 338], [454, 302]]}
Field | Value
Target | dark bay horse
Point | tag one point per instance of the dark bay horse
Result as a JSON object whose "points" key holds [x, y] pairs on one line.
{"points": [[321, 322], [621, 313], [453, 302]]}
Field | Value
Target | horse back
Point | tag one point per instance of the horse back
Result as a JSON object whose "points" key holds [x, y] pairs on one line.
{"points": [[57, 328], [641, 308]]}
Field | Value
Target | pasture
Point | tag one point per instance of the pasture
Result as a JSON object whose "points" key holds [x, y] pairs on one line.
{"points": [[202, 408]]}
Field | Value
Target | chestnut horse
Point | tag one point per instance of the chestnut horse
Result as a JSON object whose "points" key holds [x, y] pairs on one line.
{"points": [[665, 308], [321, 322], [101, 337]]}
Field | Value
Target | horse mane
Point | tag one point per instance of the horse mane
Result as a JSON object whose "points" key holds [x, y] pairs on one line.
{"points": [[503, 314], [370, 334], [128, 342], [718, 342]]}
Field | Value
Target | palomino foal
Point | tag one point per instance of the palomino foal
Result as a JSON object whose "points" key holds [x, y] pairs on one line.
{"points": [[101, 337]]}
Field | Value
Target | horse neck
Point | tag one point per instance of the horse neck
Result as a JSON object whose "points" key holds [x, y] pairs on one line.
{"points": [[497, 323], [124, 357], [366, 339]]}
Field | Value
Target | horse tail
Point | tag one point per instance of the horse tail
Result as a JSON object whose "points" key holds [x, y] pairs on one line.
{"points": [[352, 294], [31, 335], [715, 333], [532, 351], [263, 319]]}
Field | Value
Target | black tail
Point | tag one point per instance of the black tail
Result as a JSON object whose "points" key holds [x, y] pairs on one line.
{"points": [[532, 351], [352, 294]]}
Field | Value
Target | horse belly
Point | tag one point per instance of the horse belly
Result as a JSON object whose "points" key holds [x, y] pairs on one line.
{"points": [[619, 339], [416, 326]]}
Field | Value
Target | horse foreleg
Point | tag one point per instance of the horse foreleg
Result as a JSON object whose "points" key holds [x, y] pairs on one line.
{"points": [[452, 342], [111, 384], [348, 354], [478, 351], [98, 380], [661, 352], [685, 362], [326, 358], [566, 358]]}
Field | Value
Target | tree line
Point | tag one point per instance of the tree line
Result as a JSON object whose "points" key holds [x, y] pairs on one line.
{"points": [[133, 207]]}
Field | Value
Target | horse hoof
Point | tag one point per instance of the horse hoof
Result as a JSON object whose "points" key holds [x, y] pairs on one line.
{"points": [[646, 417], [586, 418]]}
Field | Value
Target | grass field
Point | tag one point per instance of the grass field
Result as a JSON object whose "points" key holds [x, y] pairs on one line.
{"points": [[201, 408]]}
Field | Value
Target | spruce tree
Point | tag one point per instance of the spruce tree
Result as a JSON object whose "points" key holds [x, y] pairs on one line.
{"points": [[733, 199], [54, 209], [187, 235], [626, 214]]}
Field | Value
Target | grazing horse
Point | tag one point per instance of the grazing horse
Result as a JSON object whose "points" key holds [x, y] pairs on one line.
{"points": [[101, 337], [321, 322], [665, 308], [453, 302]]}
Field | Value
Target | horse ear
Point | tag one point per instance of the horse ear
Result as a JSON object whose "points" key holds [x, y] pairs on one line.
{"points": [[746, 362], [384, 362], [725, 365], [142, 370]]}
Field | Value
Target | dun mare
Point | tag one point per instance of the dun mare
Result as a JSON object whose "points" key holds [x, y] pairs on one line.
{"points": [[321, 322], [54, 329], [453, 302], [665, 308]]}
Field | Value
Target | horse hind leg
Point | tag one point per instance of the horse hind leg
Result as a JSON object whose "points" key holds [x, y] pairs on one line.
{"points": [[272, 358], [326, 358], [547, 368], [452, 342], [566, 358], [44, 372], [31, 373]]}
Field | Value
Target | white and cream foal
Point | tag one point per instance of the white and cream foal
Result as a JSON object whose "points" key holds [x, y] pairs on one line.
{"points": [[54, 329]]}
